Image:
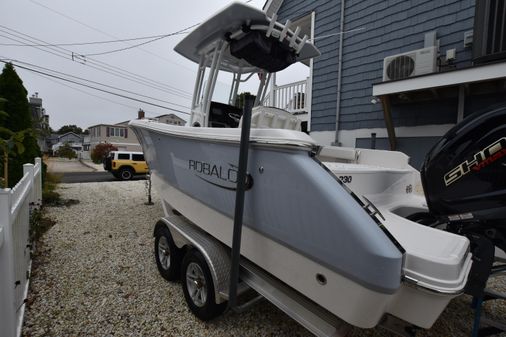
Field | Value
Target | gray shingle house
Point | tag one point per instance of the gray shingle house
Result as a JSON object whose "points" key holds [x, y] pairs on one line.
{"points": [[74, 140], [403, 70]]}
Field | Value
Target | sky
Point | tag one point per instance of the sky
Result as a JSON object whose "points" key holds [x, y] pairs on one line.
{"points": [[152, 72]]}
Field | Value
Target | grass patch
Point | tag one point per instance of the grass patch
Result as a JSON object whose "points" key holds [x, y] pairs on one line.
{"points": [[51, 182], [49, 195]]}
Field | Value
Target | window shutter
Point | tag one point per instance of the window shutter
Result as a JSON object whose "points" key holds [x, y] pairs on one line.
{"points": [[126, 132], [107, 131]]}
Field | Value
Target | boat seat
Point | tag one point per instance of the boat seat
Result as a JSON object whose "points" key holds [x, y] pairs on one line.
{"points": [[263, 117]]}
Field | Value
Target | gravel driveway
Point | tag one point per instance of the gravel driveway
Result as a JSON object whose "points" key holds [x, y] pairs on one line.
{"points": [[94, 275]]}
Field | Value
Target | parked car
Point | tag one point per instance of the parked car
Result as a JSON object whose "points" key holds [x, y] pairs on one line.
{"points": [[125, 164]]}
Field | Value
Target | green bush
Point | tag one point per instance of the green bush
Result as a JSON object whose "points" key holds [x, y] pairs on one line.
{"points": [[66, 151]]}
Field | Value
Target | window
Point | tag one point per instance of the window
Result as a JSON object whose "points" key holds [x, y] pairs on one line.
{"points": [[123, 156], [137, 157], [489, 41], [116, 132]]}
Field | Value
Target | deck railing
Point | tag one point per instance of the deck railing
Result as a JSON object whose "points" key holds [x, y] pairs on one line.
{"points": [[293, 97], [15, 246]]}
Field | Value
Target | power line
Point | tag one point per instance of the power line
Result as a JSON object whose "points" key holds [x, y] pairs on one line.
{"points": [[113, 70], [94, 82], [78, 58], [98, 89], [81, 59], [67, 54], [148, 113], [140, 44], [90, 43], [85, 92], [105, 33]]}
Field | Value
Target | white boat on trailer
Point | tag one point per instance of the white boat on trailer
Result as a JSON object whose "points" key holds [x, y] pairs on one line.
{"points": [[324, 252]]}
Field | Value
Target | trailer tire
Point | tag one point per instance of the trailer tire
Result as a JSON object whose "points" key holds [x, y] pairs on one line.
{"points": [[167, 255], [198, 287]]}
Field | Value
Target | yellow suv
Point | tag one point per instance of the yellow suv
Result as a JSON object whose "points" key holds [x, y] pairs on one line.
{"points": [[125, 164]]}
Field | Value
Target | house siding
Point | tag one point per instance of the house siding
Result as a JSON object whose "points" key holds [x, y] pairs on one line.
{"points": [[98, 134], [390, 27], [325, 70], [70, 138]]}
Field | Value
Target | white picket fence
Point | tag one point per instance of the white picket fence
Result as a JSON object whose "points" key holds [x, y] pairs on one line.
{"points": [[15, 246]]}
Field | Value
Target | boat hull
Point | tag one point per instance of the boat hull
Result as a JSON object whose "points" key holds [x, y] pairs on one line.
{"points": [[299, 224]]}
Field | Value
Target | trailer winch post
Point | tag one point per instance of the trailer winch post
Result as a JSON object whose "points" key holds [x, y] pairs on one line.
{"points": [[239, 200]]}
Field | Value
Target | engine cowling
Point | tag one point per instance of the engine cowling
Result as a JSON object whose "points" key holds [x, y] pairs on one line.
{"points": [[464, 174]]}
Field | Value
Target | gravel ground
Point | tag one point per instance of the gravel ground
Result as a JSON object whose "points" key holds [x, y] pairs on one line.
{"points": [[94, 275]]}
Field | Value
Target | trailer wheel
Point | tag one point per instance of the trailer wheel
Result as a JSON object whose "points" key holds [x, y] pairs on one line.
{"points": [[198, 287], [167, 255]]}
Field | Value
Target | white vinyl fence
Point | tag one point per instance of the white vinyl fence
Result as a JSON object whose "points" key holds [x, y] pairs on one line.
{"points": [[15, 246], [293, 97]]}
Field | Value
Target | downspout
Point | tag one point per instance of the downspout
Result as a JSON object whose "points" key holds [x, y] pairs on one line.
{"points": [[339, 76]]}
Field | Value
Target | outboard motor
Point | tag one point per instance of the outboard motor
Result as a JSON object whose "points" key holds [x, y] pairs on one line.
{"points": [[464, 179]]}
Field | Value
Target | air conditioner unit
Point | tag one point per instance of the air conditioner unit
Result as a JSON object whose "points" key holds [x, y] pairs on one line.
{"points": [[410, 64]]}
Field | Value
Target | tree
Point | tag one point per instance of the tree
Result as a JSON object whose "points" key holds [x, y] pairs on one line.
{"points": [[101, 151], [239, 102], [66, 151], [10, 146], [16, 118], [69, 128]]}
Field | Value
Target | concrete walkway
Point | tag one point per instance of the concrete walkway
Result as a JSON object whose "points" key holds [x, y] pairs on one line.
{"points": [[96, 167]]}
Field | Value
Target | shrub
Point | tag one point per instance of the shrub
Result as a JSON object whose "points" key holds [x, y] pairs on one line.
{"points": [[66, 151], [101, 151]]}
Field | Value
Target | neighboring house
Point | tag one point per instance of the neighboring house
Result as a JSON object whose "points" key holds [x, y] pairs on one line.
{"points": [[121, 136], [74, 140], [170, 119], [40, 121], [51, 140], [404, 72]]}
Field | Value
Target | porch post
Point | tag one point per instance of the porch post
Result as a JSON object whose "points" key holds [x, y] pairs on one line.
{"points": [[385, 102], [308, 100], [460, 107]]}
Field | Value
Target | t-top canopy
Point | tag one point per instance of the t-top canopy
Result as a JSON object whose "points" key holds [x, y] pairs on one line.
{"points": [[226, 26]]}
